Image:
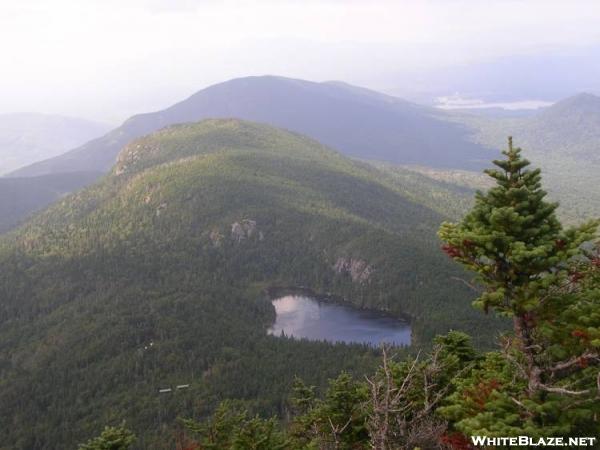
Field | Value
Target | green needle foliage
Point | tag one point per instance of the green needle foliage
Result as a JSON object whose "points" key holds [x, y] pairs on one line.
{"points": [[336, 421], [112, 438], [544, 380], [232, 428], [513, 239], [395, 408]]}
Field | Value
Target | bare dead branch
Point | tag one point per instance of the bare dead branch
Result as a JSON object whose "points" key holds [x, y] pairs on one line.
{"points": [[574, 361], [564, 391], [469, 285]]}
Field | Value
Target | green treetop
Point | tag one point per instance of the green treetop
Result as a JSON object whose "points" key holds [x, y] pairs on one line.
{"points": [[513, 239], [546, 279], [112, 438]]}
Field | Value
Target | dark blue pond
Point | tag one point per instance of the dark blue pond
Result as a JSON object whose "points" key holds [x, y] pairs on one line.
{"points": [[300, 316]]}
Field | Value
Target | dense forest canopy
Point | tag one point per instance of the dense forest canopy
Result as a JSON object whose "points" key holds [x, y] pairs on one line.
{"points": [[156, 276], [542, 382]]}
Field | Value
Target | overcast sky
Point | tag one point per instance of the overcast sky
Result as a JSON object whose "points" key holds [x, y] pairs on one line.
{"points": [[108, 59]]}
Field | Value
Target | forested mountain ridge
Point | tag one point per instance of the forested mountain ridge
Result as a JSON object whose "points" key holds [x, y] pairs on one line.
{"points": [[355, 121], [369, 125], [568, 128], [563, 140], [155, 276]]}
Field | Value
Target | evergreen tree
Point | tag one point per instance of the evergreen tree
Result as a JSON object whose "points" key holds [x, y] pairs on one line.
{"points": [[112, 438], [539, 274], [336, 421], [231, 428]]}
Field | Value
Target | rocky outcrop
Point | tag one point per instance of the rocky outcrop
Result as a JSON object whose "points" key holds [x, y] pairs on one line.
{"points": [[216, 237], [246, 229], [160, 209], [358, 269], [151, 194], [127, 158]]}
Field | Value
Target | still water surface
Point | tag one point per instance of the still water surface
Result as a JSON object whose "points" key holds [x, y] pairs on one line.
{"points": [[305, 317]]}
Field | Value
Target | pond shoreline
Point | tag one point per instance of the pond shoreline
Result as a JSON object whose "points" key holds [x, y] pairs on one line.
{"points": [[302, 314], [275, 292]]}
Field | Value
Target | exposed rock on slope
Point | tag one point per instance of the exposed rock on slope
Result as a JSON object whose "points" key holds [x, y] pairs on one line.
{"points": [[245, 229], [358, 269]]}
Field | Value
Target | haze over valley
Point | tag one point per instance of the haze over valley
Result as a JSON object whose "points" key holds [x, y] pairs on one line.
{"points": [[27, 137]]}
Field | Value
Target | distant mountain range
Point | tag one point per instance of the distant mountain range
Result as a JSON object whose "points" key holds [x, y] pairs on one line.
{"points": [[355, 121], [570, 127], [367, 125], [564, 140], [27, 137]]}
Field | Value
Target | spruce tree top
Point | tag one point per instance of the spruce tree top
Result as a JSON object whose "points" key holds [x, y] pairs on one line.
{"points": [[512, 237], [513, 216]]}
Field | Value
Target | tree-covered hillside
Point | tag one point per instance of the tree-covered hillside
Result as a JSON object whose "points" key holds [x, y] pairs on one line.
{"points": [[360, 123], [538, 388], [564, 141], [155, 277], [355, 121], [21, 197]]}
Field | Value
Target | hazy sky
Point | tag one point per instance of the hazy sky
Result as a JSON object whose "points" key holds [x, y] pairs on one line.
{"points": [[108, 59]]}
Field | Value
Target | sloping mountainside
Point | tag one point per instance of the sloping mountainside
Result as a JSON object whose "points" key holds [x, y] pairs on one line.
{"points": [[449, 192], [20, 197], [564, 140], [155, 277], [28, 137], [355, 121], [569, 128]]}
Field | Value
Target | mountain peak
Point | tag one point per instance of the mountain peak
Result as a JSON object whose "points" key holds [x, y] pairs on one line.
{"points": [[582, 103], [210, 136], [585, 96], [355, 121]]}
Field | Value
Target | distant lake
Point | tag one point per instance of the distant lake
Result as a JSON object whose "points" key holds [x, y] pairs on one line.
{"points": [[300, 316]]}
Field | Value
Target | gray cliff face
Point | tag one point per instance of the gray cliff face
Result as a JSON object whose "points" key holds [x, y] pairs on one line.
{"points": [[216, 237], [245, 229], [358, 269], [128, 158]]}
